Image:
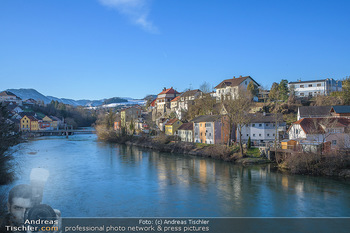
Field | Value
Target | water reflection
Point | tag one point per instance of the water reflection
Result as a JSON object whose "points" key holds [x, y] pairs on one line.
{"points": [[91, 178]]}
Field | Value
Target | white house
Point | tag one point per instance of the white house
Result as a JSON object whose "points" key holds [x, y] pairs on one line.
{"points": [[230, 87], [315, 87], [262, 128], [164, 98], [185, 132]]}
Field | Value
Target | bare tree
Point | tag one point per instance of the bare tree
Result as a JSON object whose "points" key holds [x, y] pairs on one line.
{"points": [[237, 111], [205, 88]]}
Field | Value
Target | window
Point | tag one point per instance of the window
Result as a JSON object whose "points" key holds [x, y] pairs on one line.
{"points": [[253, 134], [273, 134], [245, 82], [209, 134], [301, 94], [253, 125], [301, 86], [260, 125], [318, 84], [247, 135], [267, 125], [259, 134], [310, 85], [268, 134], [334, 142]]}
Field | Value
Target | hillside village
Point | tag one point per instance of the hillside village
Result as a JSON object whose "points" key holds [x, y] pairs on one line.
{"points": [[238, 110], [34, 117], [288, 117]]}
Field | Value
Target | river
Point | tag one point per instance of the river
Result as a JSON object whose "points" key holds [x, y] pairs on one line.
{"points": [[89, 178]]}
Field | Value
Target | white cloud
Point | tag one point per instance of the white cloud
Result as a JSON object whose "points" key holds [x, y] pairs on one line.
{"points": [[136, 10]]}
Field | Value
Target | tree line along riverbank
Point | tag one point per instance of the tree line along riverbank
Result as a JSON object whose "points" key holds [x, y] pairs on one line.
{"points": [[335, 165]]}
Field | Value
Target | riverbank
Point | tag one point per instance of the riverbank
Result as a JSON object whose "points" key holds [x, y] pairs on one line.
{"points": [[330, 164], [299, 164], [164, 143]]}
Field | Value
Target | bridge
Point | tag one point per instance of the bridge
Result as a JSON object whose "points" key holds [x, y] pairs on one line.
{"points": [[61, 132]]}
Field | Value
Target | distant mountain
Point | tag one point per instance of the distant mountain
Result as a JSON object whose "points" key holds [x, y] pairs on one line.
{"points": [[30, 94], [34, 94], [114, 100]]}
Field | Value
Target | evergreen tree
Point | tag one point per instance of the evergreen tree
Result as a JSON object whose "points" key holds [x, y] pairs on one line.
{"points": [[252, 89], [345, 93], [273, 95], [283, 90], [249, 144]]}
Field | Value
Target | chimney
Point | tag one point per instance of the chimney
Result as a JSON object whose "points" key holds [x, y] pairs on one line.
{"points": [[164, 89], [264, 113], [240, 76], [234, 77]]}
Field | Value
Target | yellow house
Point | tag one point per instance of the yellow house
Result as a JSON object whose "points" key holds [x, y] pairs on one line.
{"points": [[29, 123], [171, 126]]}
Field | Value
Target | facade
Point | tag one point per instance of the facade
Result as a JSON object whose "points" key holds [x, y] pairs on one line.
{"points": [[171, 126], [229, 87], [262, 128], [174, 103], [185, 132], [315, 87], [207, 129], [129, 114], [29, 123], [56, 122], [161, 123]]}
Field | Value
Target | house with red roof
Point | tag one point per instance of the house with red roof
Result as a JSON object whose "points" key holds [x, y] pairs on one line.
{"points": [[164, 98], [230, 87], [334, 131]]}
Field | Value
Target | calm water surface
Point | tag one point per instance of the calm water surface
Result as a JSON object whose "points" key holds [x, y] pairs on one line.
{"points": [[95, 179]]}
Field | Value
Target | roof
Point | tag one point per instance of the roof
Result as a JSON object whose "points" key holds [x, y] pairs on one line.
{"points": [[22, 114], [32, 118], [154, 102], [206, 118], [169, 91], [317, 125], [191, 93], [341, 109], [176, 98], [186, 126], [314, 111], [171, 121], [267, 118], [54, 118], [309, 81], [234, 82]]}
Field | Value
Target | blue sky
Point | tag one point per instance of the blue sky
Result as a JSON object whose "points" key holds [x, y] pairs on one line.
{"points": [[94, 49]]}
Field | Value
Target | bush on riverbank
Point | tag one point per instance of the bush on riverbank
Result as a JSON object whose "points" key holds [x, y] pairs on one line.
{"points": [[9, 136], [336, 164]]}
